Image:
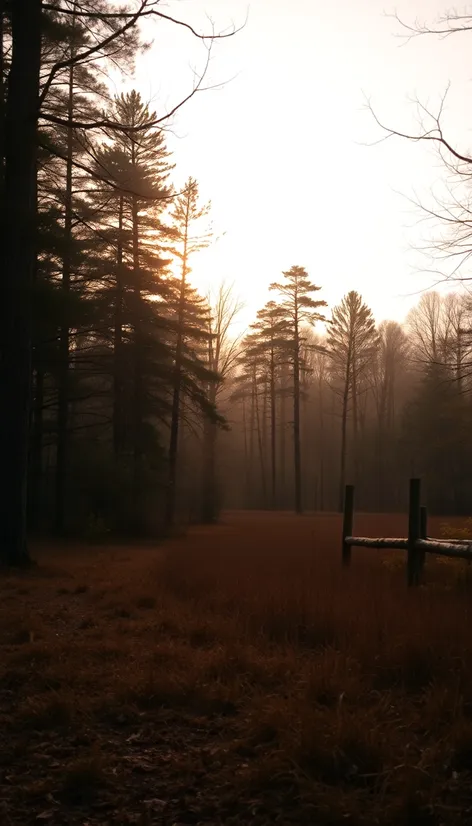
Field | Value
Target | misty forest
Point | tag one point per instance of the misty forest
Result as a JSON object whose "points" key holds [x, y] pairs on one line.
{"points": [[180, 641]]}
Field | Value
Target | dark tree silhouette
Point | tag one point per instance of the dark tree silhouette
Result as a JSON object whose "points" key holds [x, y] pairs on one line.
{"points": [[31, 80], [265, 346], [298, 307], [17, 265], [352, 341], [186, 214]]}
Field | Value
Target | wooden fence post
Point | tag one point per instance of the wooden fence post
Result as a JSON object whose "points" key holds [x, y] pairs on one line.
{"points": [[348, 518], [424, 534], [414, 532], [424, 522]]}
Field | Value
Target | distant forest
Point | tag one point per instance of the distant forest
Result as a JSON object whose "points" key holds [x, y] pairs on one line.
{"points": [[128, 402], [378, 403]]}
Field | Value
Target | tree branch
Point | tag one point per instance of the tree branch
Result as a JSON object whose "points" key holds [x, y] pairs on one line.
{"points": [[435, 134], [107, 180], [148, 13], [105, 123], [63, 64], [448, 24]]}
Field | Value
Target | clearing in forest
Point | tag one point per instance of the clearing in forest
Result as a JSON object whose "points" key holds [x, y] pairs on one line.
{"points": [[236, 676]]}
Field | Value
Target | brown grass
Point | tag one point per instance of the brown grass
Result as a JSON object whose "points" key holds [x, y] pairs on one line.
{"points": [[238, 675]]}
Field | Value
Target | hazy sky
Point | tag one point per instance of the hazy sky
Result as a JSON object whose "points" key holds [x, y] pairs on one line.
{"points": [[279, 148]]}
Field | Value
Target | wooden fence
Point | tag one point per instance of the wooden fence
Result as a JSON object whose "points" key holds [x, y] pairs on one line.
{"points": [[417, 544]]}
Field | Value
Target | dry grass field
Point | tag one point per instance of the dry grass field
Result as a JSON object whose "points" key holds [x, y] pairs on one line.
{"points": [[236, 676]]}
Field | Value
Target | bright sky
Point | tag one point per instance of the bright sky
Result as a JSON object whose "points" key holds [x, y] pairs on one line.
{"points": [[279, 148]]}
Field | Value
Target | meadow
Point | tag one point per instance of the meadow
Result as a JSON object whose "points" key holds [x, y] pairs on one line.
{"points": [[236, 675]]}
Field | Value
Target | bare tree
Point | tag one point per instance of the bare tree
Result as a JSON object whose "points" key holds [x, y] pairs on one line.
{"points": [[449, 253], [425, 329], [222, 357], [457, 311]]}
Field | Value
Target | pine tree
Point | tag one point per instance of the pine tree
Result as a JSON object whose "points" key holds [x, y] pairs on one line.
{"points": [[249, 384], [81, 91], [35, 83], [186, 215], [63, 182], [141, 168], [17, 265], [267, 341], [298, 308], [352, 341]]}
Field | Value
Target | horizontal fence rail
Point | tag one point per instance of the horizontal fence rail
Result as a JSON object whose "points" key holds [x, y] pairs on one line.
{"points": [[366, 542], [417, 544], [453, 542], [450, 549]]}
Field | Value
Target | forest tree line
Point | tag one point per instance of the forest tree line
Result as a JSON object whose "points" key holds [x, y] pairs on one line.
{"points": [[107, 351], [370, 404], [127, 404]]}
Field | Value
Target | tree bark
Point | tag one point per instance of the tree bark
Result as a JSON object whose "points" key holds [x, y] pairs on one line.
{"points": [[210, 503], [64, 335], [251, 447], [355, 414], [321, 451], [296, 422], [260, 445], [18, 260], [2, 97], [273, 432], [246, 464], [118, 424], [282, 481], [342, 473], [36, 450], [175, 414], [138, 373]]}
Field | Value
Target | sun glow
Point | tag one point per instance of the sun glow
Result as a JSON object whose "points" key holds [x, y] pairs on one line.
{"points": [[281, 149]]}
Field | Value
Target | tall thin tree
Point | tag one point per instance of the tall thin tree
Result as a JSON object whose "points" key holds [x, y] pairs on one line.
{"points": [[298, 308], [352, 341], [186, 214]]}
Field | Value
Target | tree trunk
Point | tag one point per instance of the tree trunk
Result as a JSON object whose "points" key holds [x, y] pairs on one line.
{"points": [[36, 450], [118, 423], [251, 448], [342, 473], [355, 419], [459, 361], [283, 448], [380, 444], [296, 424], [210, 504], [273, 432], [2, 98], [246, 463], [175, 415], [260, 447], [138, 373], [18, 251], [321, 447], [64, 335]]}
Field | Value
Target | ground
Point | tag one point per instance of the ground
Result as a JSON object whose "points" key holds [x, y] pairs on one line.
{"points": [[237, 675]]}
